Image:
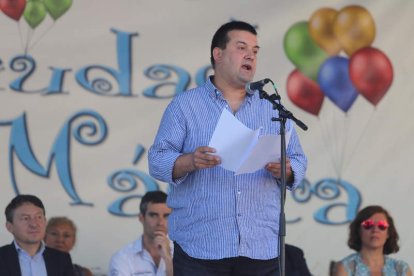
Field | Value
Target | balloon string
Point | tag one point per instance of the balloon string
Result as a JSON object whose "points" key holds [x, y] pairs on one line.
{"points": [[30, 33], [339, 141], [20, 35], [329, 139], [41, 36], [345, 137], [365, 128], [326, 139]]}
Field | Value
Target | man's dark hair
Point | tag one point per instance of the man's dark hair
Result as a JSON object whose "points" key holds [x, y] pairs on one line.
{"points": [[221, 37], [354, 240], [151, 197], [19, 201]]}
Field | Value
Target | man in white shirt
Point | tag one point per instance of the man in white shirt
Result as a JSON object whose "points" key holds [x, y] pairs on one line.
{"points": [[151, 254]]}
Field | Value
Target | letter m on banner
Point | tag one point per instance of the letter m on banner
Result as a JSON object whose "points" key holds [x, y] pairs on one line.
{"points": [[20, 147]]}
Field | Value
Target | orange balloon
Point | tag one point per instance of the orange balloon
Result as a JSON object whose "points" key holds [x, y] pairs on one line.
{"points": [[321, 30], [354, 27]]}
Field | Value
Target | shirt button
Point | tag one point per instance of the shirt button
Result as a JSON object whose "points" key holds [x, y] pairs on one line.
{"points": [[239, 215], [238, 192]]}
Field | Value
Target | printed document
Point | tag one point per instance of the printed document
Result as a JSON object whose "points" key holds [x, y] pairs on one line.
{"points": [[241, 149]]}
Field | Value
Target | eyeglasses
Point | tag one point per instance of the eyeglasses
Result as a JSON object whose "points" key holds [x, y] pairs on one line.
{"points": [[369, 224]]}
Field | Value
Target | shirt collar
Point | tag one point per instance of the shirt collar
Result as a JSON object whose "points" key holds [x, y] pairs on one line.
{"points": [[217, 94], [21, 250], [138, 245]]}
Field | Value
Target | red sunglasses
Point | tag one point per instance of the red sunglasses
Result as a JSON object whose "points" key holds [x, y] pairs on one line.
{"points": [[369, 224]]}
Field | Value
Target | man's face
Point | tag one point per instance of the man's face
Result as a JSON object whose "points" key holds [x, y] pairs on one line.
{"points": [[155, 219], [28, 225], [237, 62]]}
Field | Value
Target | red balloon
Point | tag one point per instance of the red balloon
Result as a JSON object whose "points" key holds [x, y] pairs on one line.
{"points": [[13, 8], [304, 92], [371, 72]]}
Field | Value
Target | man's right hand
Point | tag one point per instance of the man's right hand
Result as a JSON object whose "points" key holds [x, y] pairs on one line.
{"points": [[201, 158]]}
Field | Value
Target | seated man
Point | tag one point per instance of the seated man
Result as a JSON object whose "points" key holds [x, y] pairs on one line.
{"points": [[295, 262], [27, 254], [151, 254]]}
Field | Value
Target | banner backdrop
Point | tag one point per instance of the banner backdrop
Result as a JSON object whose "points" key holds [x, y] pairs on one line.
{"points": [[83, 86]]}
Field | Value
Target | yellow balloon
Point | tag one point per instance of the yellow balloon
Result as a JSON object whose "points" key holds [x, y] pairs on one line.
{"points": [[321, 30], [354, 27]]}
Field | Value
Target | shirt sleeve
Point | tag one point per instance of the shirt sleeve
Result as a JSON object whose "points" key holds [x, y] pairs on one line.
{"points": [[168, 145], [298, 160]]}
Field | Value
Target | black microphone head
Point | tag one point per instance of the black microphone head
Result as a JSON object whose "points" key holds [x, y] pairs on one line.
{"points": [[248, 89], [257, 85]]}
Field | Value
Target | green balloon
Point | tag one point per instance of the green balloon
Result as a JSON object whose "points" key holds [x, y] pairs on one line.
{"points": [[34, 13], [57, 8], [302, 51]]}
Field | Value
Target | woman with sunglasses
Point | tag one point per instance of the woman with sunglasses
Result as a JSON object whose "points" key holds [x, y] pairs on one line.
{"points": [[373, 236]]}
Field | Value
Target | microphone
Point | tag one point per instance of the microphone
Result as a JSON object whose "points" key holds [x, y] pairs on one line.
{"points": [[251, 87]]}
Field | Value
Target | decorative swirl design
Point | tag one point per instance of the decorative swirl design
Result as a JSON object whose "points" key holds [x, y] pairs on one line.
{"points": [[123, 181], [158, 72], [303, 192], [102, 86], [127, 180], [327, 188], [22, 64], [162, 72], [89, 132]]}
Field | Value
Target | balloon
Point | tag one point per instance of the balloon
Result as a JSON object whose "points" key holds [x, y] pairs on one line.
{"points": [[13, 8], [320, 29], [302, 51], [304, 92], [336, 84], [354, 28], [371, 72], [34, 13], [57, 8]]}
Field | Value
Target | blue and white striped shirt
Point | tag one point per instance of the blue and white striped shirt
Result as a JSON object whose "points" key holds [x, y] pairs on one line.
{"points": [[216, 214]]}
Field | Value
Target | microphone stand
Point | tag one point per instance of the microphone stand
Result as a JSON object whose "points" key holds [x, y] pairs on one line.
{"points": [[284, 114]]}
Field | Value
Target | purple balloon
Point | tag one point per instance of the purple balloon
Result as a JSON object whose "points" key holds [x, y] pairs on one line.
{"points": [[334, 80]]}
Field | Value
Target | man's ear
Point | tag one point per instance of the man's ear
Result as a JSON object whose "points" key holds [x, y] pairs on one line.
{"points": [[9, 227], [217, 54], [141, 218]]}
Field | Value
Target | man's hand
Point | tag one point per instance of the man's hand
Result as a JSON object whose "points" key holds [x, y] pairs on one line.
{"points": [[201, 158], [163, 243], [276, 170]]}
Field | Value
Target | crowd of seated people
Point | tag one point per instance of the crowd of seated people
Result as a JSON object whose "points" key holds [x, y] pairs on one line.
{"points": [[43, 248]]}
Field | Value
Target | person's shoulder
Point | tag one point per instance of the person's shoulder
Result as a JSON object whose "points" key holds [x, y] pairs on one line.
{"points": [[398, 263], [81, 270], [52, 251], [292, 247], [192, 93], [6, 248], [127, 250], [350, 257], [293, 250], [350, 260]]}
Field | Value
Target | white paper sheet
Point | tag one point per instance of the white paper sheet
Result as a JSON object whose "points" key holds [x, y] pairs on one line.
{"points": [[241, 149]]}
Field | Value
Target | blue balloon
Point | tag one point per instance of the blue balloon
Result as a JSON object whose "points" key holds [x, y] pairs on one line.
{"points": [[334, 80]]}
